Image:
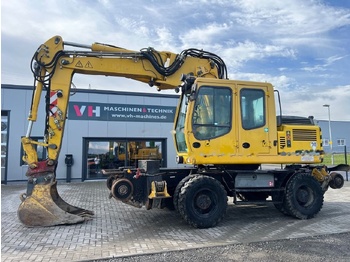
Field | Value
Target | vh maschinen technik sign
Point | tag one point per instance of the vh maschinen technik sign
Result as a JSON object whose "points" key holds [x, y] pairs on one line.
{"points": [[120, 112]]}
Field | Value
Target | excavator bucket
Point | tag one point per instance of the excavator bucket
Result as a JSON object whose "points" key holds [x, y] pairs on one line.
{"points": [[44, 207]]}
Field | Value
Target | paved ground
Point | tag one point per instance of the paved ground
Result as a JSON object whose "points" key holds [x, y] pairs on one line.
{"points": [[326, 248], [119, 230]]}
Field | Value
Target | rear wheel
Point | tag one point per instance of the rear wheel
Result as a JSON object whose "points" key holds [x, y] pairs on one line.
{"points": [[202, 201], [304, 196]]}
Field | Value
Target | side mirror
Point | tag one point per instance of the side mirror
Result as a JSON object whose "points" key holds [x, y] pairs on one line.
{"points": [[279, 120]]}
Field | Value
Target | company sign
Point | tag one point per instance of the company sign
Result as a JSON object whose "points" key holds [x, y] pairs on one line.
{"points": [[120, 112]]}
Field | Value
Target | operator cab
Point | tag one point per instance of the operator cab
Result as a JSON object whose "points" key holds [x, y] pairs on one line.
{"points": [[219, 119]]}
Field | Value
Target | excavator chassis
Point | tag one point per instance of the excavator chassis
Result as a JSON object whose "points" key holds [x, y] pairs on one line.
{"points": [[200, 194], [43, 206]]}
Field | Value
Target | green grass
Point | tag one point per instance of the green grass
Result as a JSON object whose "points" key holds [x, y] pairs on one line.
{"points": [[338, 159]]}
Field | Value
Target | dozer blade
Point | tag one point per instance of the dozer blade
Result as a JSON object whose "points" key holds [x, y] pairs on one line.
{"points": [[44, 207]]}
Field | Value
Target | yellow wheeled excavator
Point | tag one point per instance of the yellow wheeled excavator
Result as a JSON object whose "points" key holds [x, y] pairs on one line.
{"points": [[225, 129]]}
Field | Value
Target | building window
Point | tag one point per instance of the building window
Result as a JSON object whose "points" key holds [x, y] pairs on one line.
{"points": [[40, 150], [341, 142], [325, 142], [106, 155]]}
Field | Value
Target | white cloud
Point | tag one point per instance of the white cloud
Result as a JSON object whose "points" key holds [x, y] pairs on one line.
{"points": [[326, 63], [310, 102], [164, 38], [204, 35], [332, 59], [290, 22], [280, 82], [242, 52]]}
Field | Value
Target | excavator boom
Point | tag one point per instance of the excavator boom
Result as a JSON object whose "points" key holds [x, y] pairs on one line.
{"points": [[53, 67]]}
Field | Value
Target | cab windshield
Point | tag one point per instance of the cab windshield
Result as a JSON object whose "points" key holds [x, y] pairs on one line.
{"points": [[180, 126]]}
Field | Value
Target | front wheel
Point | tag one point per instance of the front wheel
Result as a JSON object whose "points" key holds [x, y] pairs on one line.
{"points": [[279, 202], [281, 207], [202, 201], [304, 196], [178, 190]]}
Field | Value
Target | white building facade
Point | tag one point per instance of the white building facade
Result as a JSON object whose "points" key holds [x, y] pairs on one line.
{"points": [[113, 128], [336, 136]]}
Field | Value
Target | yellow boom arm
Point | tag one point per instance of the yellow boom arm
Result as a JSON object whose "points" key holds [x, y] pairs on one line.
{"points": [[54, 68]]}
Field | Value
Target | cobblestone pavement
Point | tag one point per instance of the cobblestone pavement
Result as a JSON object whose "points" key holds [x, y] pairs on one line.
{"points": [[120, 230], [326, 248]]}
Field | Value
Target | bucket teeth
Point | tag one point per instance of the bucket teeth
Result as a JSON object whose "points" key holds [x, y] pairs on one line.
{"points": [[44, 207]]}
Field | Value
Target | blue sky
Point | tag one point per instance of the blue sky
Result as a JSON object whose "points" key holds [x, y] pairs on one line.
{"points": [[300, 46]]}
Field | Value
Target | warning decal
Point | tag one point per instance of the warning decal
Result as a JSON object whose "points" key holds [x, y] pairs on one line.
{"points": [[88, 65], [79, 64], [53, 103]]}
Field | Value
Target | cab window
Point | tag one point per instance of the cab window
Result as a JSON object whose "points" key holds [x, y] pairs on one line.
{"points": [[212, 115], [253, 113]]}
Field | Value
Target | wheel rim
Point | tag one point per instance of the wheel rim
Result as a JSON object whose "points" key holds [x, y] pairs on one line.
{"points": [[205, 202], [122, 189], [305, 196]]}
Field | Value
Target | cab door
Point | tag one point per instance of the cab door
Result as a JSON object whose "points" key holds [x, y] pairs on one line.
{"points": [[253, 129], [211, 137]]}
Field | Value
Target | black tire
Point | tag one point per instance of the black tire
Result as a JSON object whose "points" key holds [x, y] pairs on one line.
{"points": [[304, 196], [202, 201], [110, 181], [178, 190], [281, 207], [280, 197]]}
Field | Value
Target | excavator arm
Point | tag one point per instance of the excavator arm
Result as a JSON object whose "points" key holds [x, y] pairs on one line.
{"points": [[53, 67]]}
